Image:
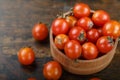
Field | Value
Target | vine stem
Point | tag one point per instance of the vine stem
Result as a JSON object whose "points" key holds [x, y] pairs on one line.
{"points": [[70, 12]]}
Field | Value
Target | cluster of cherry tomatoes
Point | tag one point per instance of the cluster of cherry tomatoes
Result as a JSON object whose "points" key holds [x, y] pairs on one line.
{"points": [[26, 56], [83, 33], [52, 70]]}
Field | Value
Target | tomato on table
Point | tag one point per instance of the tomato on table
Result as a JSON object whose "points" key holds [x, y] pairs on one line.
{"points": [[111, 28], [85, 22], [100, 17], [73, 49], [77, 33], [95, 78], [52, 70], [61, 40], [89, 51], [40, 31], [60, 26], [31, 78], [26, 56], [105, 44], [81, 10]]}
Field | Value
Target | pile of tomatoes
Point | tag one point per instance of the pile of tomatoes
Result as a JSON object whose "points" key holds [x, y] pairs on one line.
{"points": [[84, 33]]}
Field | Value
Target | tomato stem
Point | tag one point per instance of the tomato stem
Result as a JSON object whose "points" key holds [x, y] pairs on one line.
{"points": [[110, 40], [81, 37], [64, 15], [59, 41]]}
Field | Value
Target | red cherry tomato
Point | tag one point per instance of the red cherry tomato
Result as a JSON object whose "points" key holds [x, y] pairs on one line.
{"points": [[85, 22], [95, 78], [71, 20], [32, 78], [40, 31], [111, 28], [100, 17], [60, 26], [73, 49], [26, 56], [93, 35], [105, 44], [52, 70], [60, 41], [77, 33], [81, 10], [89, 51]]}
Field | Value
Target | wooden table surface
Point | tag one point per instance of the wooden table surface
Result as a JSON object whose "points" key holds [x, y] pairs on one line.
{"points": [[17, 18]]}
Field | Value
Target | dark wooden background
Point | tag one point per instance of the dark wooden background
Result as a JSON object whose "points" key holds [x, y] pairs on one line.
{"points": [[17, 18]]}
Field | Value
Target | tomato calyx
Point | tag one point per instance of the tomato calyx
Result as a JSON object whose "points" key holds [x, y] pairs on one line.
{"points": [[110, 40], [81, 37], [39, 22], [59, 41], [90, 25]]}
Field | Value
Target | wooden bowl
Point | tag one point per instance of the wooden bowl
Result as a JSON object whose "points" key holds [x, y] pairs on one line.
{"points": [[81, 67]]}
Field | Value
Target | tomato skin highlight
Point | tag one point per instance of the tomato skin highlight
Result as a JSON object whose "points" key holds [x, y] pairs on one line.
{"points": [[73, 49], [26, 56], [61, 40], [77, 33], [100, 17], [40, 31], [52, 70], [105, 44], [81, 10], [111, 28], [89, 51], [60, 26]]}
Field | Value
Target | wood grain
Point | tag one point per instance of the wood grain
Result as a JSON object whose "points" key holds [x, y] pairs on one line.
{"points": [[17, 18]]}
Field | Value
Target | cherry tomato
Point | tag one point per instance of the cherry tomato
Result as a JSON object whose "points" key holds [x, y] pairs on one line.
{"points": [[40, 31], [73, 49], [111, 28], [60, 41], [52, 70], [85, 22], [81, 10], [93, 35], [95, 78], [60, 26], [71, 20], [105, 44], [26, 56], [100, 17], [89, 51], [32, 78], [77, 33]]}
